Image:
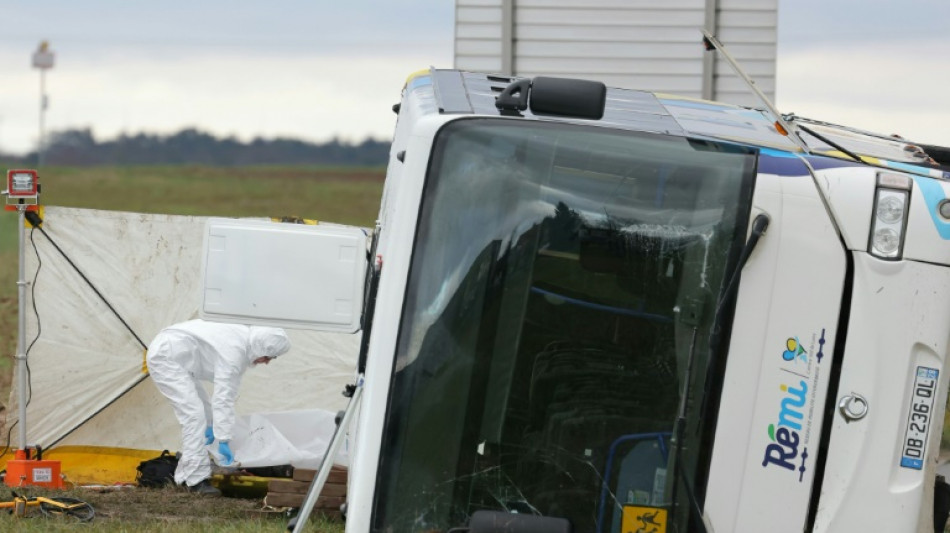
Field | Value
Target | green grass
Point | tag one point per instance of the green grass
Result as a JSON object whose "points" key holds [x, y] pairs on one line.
{"points": [[342, 195]]}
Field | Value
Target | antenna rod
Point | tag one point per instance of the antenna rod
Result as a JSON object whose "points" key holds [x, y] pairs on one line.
{"points": [[785, 128]]}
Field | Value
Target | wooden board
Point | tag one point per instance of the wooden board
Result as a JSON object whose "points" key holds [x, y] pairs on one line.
{"points": [[286, 499], [337, 474], [292, 493], [301, 487]]}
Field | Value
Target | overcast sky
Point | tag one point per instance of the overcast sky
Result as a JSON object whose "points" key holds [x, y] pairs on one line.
{"points": [[881, 65], [315, 69]]}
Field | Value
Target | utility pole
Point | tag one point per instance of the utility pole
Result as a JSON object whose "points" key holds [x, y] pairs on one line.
{"points": [[42, 59]]}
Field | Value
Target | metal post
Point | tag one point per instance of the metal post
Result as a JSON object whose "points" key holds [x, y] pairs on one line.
{"points": [[43, 59], [790, 131], [21, 333], [508, 37], [316, 486], [709, 60], [39, 148]]}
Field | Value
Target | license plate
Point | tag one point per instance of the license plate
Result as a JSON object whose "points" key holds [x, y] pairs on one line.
{"points": [[918, 419]]}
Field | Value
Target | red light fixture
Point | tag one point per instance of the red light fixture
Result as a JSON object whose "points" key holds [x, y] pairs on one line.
{"points": [[23, 188]]}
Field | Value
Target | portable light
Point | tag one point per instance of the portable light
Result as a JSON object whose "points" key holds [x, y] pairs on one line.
{"points": [[25, 469], [23, 187], [22, 183]]}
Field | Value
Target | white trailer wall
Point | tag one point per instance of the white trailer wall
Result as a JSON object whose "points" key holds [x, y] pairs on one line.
{"points": [[637, 44]]}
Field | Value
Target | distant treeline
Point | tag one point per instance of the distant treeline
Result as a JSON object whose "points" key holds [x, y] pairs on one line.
{"points": [[190, 146]]}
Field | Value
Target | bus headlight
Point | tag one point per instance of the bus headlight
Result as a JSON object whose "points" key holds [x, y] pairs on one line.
{"points": [[890, 215]]}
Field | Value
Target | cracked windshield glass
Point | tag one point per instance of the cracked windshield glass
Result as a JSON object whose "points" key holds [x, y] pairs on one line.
{"points": [[564, 277]]}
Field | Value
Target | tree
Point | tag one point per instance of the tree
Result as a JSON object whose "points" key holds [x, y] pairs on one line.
{"points": [[193, 146]]}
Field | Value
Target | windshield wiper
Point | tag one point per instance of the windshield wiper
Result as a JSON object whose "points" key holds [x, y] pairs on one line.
{"points": [[830, 143], [759, 225], [679, 431]]}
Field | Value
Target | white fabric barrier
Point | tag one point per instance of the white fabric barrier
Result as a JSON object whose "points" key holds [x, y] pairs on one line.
{"points": [[87, 371]]}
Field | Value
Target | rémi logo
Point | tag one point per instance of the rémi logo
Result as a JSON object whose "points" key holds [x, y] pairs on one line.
{"points": [[784, 434], [794, 350]]}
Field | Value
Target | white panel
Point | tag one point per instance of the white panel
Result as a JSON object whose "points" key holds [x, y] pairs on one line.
{"points": [[611, 17], [478, 3], [927, 232], [607, 50], [478, 63], [680, 85], [850, 194], [640, 44], [593, 32], [735, 5], [478, 14], [748, 19], [477, 31], [613, 4], [731, 36], [725, 84], [746, 52], [290, 275], [465, 47], [740, 98], [758, 68], [623, 67], [773, 396], [869, 489]]}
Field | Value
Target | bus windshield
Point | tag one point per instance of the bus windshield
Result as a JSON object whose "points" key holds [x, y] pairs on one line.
{"points": [[563, 277]]}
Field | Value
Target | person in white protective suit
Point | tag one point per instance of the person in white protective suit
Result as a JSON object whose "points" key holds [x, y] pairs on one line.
{"points": [[182, 356]]}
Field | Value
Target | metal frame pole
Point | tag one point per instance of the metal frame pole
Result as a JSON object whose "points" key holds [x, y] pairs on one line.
{"points": [[39, 147], [791, 131], [508, 37], [21, 333], [298, 523], [709, 60]]}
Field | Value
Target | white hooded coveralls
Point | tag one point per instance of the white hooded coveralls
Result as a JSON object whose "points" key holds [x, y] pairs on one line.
{"points": [[182, 356]]}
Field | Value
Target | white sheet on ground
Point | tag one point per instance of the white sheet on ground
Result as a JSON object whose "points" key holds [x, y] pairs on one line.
{"points": [[298, 438]]}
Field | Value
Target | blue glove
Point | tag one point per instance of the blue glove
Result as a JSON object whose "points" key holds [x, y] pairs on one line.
{"points": [[225, 450], [209, 435]]}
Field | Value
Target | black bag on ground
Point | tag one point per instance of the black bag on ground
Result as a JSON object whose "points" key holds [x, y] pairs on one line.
{"points": [[157, 472]]}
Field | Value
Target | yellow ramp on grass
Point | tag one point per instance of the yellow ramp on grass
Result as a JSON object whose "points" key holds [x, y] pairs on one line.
{"points": [[96, 465]]}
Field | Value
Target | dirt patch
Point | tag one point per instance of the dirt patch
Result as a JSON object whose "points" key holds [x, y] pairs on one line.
{"points": [[168, 509], [165, 505]]}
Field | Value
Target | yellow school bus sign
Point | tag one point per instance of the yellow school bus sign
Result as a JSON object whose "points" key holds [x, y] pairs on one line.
{"points": [[640, 519]]}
